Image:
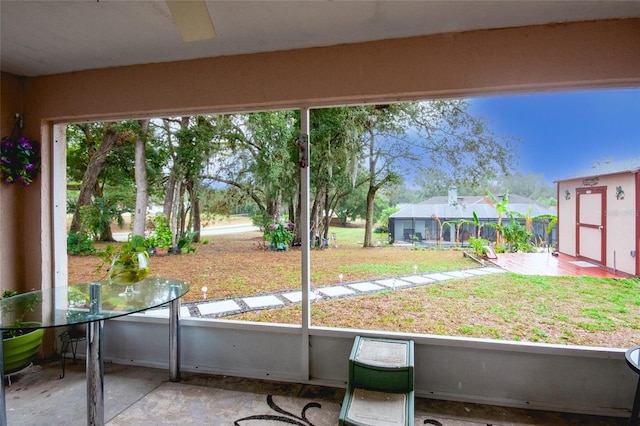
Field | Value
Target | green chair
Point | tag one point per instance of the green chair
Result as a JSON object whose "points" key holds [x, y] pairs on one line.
{"points": [[380, 390]]}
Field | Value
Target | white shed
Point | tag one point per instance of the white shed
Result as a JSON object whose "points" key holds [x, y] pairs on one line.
{"points": [[598, 217]]}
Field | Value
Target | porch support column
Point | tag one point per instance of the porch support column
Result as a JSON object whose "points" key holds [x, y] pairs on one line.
{"points": [[306, 243]]}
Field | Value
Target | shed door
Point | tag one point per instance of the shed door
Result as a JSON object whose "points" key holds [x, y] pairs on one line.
{"points": [[591, 224]]}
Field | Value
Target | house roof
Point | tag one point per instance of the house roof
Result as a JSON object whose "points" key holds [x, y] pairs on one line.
{"points": [[466, 205], [603, 168]]}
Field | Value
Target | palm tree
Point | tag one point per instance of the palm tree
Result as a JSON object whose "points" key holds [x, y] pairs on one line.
{"points": [[501, 208]]}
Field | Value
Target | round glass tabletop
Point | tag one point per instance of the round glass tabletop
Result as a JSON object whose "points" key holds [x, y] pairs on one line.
{"points": [[82, 303], [633, 358]]}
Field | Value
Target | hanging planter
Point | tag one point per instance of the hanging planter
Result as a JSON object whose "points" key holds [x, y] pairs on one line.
{"points": [[19, 157], [19, 160]]}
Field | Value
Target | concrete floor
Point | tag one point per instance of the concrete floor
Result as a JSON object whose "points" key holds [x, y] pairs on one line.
{"points": [[144, 396]]}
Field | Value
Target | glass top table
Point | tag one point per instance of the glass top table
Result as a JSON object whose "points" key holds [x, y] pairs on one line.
{"points": [[632, 356], [91, 304], [84, 303]]}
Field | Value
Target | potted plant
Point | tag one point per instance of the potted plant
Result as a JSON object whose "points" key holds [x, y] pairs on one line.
{"points": [[280, 236], [22, 342]]}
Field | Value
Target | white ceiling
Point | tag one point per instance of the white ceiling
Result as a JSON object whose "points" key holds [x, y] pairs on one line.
{"points": [[51, 37]]}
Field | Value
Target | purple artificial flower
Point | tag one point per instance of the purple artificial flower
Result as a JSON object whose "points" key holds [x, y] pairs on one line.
{"points": [[20, 160], [24, 143]]}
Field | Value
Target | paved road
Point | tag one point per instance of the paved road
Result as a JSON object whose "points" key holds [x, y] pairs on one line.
{"points": [[208, 231]]}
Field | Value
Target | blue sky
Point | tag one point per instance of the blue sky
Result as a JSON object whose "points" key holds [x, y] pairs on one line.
{"points": [[563, 134]]}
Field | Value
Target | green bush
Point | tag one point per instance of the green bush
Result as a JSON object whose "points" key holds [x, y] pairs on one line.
{"points": [[163, 237], [184, 243], [516, 236], [479, 246], [79, 244], [280, 235]]}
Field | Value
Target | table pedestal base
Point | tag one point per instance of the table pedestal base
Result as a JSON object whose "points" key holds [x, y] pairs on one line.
{"points": [[95, 374]]}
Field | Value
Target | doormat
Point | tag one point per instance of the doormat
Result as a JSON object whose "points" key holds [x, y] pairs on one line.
{"points": [[584, 264]]}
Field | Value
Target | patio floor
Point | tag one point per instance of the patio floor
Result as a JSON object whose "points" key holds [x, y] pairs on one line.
{"points": [[547, 264], [144, 396]]}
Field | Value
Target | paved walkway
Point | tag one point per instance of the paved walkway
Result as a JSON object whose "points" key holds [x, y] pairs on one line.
{"points": [[218, 308]]}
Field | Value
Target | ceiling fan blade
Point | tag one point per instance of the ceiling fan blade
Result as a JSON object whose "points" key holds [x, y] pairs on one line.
{"points": [[192, 19]]}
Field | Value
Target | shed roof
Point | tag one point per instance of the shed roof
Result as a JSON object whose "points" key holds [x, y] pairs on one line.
{"points": [[464, 208], [603, 168]]}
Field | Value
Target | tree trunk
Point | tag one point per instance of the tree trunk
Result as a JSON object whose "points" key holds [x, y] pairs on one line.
{"points": [[105, 234], [90, 178], [292, 212], [274, 206], [327, 216], [316, 225], [297, 225], [368, 224], [173, 223], [195, 211], [169, 195], [142, 189]]}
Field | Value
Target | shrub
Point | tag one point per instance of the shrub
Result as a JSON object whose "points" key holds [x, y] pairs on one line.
{"points": [[280, 235], [163, 237], [184, 243], [79, 244], [517, 237], [479, 246]]}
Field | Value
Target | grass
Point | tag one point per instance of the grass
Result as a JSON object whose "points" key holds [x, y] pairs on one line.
{"points": [[559, 310], [506, 306]]}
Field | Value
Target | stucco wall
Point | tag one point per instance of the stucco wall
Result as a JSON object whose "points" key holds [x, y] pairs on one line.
{"points": [[11, 262], [621, 219], [500, 61]]}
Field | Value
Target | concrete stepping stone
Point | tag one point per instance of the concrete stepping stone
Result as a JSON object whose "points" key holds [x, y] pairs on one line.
{"points": [[365, 286], [393, 282], [418, 279], [218, 307], [296, 296], [438, 276], [336, 291], [262, 301], [480, 271], [458, 274], [351, 289]]}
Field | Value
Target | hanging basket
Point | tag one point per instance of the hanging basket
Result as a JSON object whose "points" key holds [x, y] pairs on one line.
{"points": [[19, 160], [19, 157]]}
